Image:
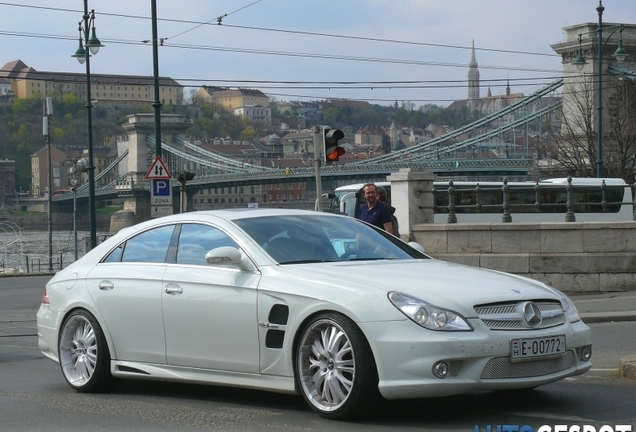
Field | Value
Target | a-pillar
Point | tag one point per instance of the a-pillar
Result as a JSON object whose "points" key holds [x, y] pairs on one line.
{"points": [[412, 197]]}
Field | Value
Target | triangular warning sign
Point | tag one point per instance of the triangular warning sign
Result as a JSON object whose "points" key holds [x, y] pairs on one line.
{"points": [[158, 170]]}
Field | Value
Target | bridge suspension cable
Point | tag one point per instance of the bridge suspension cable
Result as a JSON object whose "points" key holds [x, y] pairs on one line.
{"points": [[428, 145]]}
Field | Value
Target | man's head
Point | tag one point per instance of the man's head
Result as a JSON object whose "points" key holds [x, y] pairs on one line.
{"points": [[382, 195], [370, 193]]}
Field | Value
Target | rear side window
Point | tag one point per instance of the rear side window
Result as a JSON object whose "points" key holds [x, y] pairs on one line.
{"points": [[149, 247], [196, 240]]}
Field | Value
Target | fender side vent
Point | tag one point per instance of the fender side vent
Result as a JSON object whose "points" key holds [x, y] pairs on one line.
{"points": [[131, 370], [274, 339], [279, 314]]}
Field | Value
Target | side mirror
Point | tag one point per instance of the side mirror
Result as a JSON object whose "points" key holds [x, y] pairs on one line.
{"points": [[418, 247], [228, 256]]}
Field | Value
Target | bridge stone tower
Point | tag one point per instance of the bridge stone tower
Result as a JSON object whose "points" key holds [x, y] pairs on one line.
{"points": [[581, 87], [141, 153]]}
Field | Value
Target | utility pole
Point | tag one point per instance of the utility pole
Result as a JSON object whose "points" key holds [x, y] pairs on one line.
{"points": [[317, 132], [155, 71], [47, 111]]}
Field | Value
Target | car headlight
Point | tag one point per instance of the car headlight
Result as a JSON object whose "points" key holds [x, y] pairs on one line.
{"points": [[427, 315], [568, 307]]}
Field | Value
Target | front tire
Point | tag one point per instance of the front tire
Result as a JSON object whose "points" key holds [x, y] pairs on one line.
{"points": [[83, 353], [335, 370]]}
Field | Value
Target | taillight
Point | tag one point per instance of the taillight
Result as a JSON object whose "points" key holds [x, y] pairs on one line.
{"points": [[45, 297]]}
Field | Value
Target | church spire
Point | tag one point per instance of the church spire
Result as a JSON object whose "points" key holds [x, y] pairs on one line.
{"points": [[473, 58], [473, 79]]}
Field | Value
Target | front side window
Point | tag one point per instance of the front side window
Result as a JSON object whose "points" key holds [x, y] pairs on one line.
{"points": [[197, 240]]}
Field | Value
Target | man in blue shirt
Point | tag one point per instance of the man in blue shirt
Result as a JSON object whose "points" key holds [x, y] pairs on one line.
{"points": [[373, 211]]}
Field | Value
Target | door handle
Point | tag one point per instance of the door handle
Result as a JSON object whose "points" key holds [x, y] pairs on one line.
{"points": [[106, 285], [173, 289]]}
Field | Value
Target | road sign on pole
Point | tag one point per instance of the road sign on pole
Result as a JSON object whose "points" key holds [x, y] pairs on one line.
{"points": [[158, 170], [161, 192]]}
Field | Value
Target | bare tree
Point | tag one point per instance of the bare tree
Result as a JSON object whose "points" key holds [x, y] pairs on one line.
{"points": [[576, 141], [619, 148]]}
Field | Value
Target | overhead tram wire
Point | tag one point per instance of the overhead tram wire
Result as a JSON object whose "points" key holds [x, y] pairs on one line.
{"points": [[288, 54], [218, 20], [363, 85], [298, 32]]}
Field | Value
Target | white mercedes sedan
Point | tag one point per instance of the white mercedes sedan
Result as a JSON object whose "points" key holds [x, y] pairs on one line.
{"points": [[302, 302]]}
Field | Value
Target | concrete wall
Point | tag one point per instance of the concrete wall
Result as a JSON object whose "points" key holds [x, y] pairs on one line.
{"points": [[574, 257]]}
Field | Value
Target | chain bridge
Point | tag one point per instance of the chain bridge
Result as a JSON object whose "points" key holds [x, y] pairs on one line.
{"points": [[447, 155]]}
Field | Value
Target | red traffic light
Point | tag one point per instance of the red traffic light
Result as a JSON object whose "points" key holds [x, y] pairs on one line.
{"points": [[332, 151], [336, 152]]}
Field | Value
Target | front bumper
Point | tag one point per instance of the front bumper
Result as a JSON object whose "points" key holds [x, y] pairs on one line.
{"points": [[405, 354]]}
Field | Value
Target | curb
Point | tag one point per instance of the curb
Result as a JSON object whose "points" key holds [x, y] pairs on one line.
{"points": [[602, 317], [627, 367]]}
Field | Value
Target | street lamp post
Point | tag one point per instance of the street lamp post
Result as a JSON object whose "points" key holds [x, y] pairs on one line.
{"points": [[83, 54], [78, 167], [580, 62]]}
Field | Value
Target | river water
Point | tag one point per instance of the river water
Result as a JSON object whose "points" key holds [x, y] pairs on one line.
{"points": [[29, 250]]}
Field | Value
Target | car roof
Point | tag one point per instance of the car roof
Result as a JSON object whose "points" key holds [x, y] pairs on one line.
{"points": [[240, 213]]}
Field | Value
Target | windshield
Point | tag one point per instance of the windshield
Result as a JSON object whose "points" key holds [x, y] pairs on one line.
{"points": [[349, 199], [296, 239]]}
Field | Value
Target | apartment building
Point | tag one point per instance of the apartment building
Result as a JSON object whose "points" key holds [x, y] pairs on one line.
{"points": [[232, 99], [115, 89]]}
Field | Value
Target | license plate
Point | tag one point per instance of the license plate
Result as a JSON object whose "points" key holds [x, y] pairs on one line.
{"points": [[530, 348]]}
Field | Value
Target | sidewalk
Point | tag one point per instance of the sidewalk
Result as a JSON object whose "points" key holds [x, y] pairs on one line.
{"points": [[606, 307], [609, 307]]}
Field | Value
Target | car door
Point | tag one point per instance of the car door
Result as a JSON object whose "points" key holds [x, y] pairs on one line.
{"points": [[209, 311], [126, 288]]}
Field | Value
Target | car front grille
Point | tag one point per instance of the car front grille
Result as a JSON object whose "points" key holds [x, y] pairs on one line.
{"points": [[502, 368], [509, 316]]}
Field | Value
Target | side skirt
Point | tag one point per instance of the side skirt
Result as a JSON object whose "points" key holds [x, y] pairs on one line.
{"points": [[148, 371]]}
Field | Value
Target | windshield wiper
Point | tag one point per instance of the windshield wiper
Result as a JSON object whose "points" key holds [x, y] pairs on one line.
{"points": [[305, 261], [369, 259]]}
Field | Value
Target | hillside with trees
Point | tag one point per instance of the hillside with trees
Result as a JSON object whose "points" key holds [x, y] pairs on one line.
{"points": [[21, 133]]}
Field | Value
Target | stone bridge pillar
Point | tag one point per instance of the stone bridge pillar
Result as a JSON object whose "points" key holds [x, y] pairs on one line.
{"points": [[141, 153], [412, 197]]}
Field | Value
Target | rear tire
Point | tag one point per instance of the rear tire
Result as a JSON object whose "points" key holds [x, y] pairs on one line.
{"points": [[84, 355], [335, 369]]}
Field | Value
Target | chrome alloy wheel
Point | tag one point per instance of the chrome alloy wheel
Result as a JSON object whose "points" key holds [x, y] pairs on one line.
{"points": [[78, 350], [326, 364]]}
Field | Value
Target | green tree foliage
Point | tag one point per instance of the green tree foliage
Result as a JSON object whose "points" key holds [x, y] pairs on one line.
{"points": [[21, 134], [215, 121], [331, 115]]}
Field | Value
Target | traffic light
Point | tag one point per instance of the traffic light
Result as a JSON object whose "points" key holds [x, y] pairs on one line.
{"points": [[331, 150], [185, 176]]}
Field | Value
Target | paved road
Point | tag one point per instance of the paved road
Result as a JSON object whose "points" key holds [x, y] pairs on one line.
{"points": [[34, 396]]}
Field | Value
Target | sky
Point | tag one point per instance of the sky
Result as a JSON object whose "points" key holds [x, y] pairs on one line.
{"points": [[380, 51]]}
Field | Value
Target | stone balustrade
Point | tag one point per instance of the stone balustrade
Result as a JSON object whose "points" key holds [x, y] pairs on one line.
{"points": [[575, 257]]}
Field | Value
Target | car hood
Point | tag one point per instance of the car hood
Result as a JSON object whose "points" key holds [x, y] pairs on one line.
{"points": [[440, 283]]}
